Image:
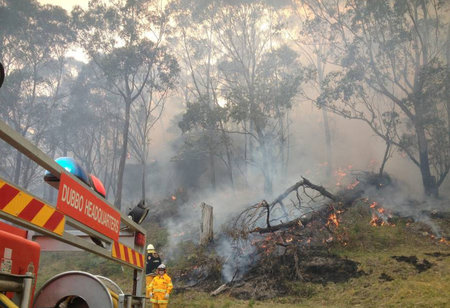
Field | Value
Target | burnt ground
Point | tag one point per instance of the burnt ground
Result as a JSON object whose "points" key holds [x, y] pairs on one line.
{"points": [[420, 266], [270, 279], [271, 275]]}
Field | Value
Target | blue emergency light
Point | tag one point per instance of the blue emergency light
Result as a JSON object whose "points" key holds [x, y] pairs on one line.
{"points": [[72, 167]]}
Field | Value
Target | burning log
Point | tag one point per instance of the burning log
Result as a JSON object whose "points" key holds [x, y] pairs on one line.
{"points": [[206, 228]]}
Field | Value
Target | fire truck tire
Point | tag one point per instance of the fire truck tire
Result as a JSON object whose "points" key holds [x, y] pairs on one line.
{"points": [[75, 289]]}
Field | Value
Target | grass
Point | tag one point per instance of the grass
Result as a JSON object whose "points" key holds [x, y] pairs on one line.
{"points": [[407, 289], [372, 247]]}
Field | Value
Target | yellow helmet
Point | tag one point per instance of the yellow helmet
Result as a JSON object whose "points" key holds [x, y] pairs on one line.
{"points": [[150, 248]]}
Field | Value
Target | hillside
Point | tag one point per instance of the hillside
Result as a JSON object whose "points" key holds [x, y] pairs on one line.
{"points": [[399, 264]]}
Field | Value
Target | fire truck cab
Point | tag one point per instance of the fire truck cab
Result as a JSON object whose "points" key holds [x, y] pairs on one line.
{"points": [[30, 225]]}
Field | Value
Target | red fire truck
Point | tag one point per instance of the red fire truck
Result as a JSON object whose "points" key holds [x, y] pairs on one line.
{"points": [[30, 225]]}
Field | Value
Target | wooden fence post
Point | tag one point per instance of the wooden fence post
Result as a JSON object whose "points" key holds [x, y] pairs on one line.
{"points": [[206, 227]]}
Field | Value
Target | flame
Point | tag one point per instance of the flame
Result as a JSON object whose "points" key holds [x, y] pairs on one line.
{"points": [[444, 241], [288, 240], [381, 210], [173, 198], [374, 204], [333, 219], [353, 185], [376, 221]]}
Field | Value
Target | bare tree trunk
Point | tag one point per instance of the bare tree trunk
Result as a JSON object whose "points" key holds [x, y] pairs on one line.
{"points": [[18, 167], [385, 158], [144, 174], [228, 152], [267, 164], [206, 228], [326, 126], [230, 163], [448, 85], [429, 181], [212, 166], [123, 156]]}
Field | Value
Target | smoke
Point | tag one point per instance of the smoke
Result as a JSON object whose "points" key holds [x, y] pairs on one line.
{"points": [[354, 149], [238, 257], [186, 225]]}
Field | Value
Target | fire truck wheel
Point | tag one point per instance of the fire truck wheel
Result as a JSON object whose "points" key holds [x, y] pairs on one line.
{"points": [[72, 302]]}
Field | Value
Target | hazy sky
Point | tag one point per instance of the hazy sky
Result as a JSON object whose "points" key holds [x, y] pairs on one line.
{"points": [[67, 4]]}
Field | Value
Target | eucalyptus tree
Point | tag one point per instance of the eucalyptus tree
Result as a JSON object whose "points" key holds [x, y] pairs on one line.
{"points": [[315, 52], [205, 119], [148, 110], [34, 41], [395, 52], [90, 126], [240, 84], [260, 78], [124, 39]]}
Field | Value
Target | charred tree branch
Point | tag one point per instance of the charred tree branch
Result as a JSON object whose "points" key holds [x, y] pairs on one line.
{"points": [[303, 220]]}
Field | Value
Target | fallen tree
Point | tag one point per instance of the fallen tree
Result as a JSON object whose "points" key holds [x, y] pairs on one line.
{"points": [[311, 203]]}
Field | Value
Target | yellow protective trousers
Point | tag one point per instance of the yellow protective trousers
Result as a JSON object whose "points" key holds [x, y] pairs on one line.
{"points": [[148, 281]]}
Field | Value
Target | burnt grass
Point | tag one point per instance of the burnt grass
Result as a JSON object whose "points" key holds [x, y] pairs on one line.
{"points": [[420, 266], [272, 277]]}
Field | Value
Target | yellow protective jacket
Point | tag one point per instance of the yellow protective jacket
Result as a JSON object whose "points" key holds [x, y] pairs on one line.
{"points": [[160, 286]]}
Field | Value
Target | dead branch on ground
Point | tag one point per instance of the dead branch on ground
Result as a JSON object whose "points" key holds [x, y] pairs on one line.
{"points": [[250, 220]]}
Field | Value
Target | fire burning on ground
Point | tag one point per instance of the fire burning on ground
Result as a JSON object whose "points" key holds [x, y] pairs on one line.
{"points": [[296, 247], [332, 219], [380, 216]]}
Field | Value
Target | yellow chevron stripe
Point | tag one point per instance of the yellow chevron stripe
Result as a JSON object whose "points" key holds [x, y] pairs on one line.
{"points": [[122, 252], [60, 228], [16, 205], [113, 251], [43, 215], [20, 203], [138, 259], [130, 255]]}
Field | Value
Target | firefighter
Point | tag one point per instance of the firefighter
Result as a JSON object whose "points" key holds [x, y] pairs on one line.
{"points": [[153, 261], [160, 288]]}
